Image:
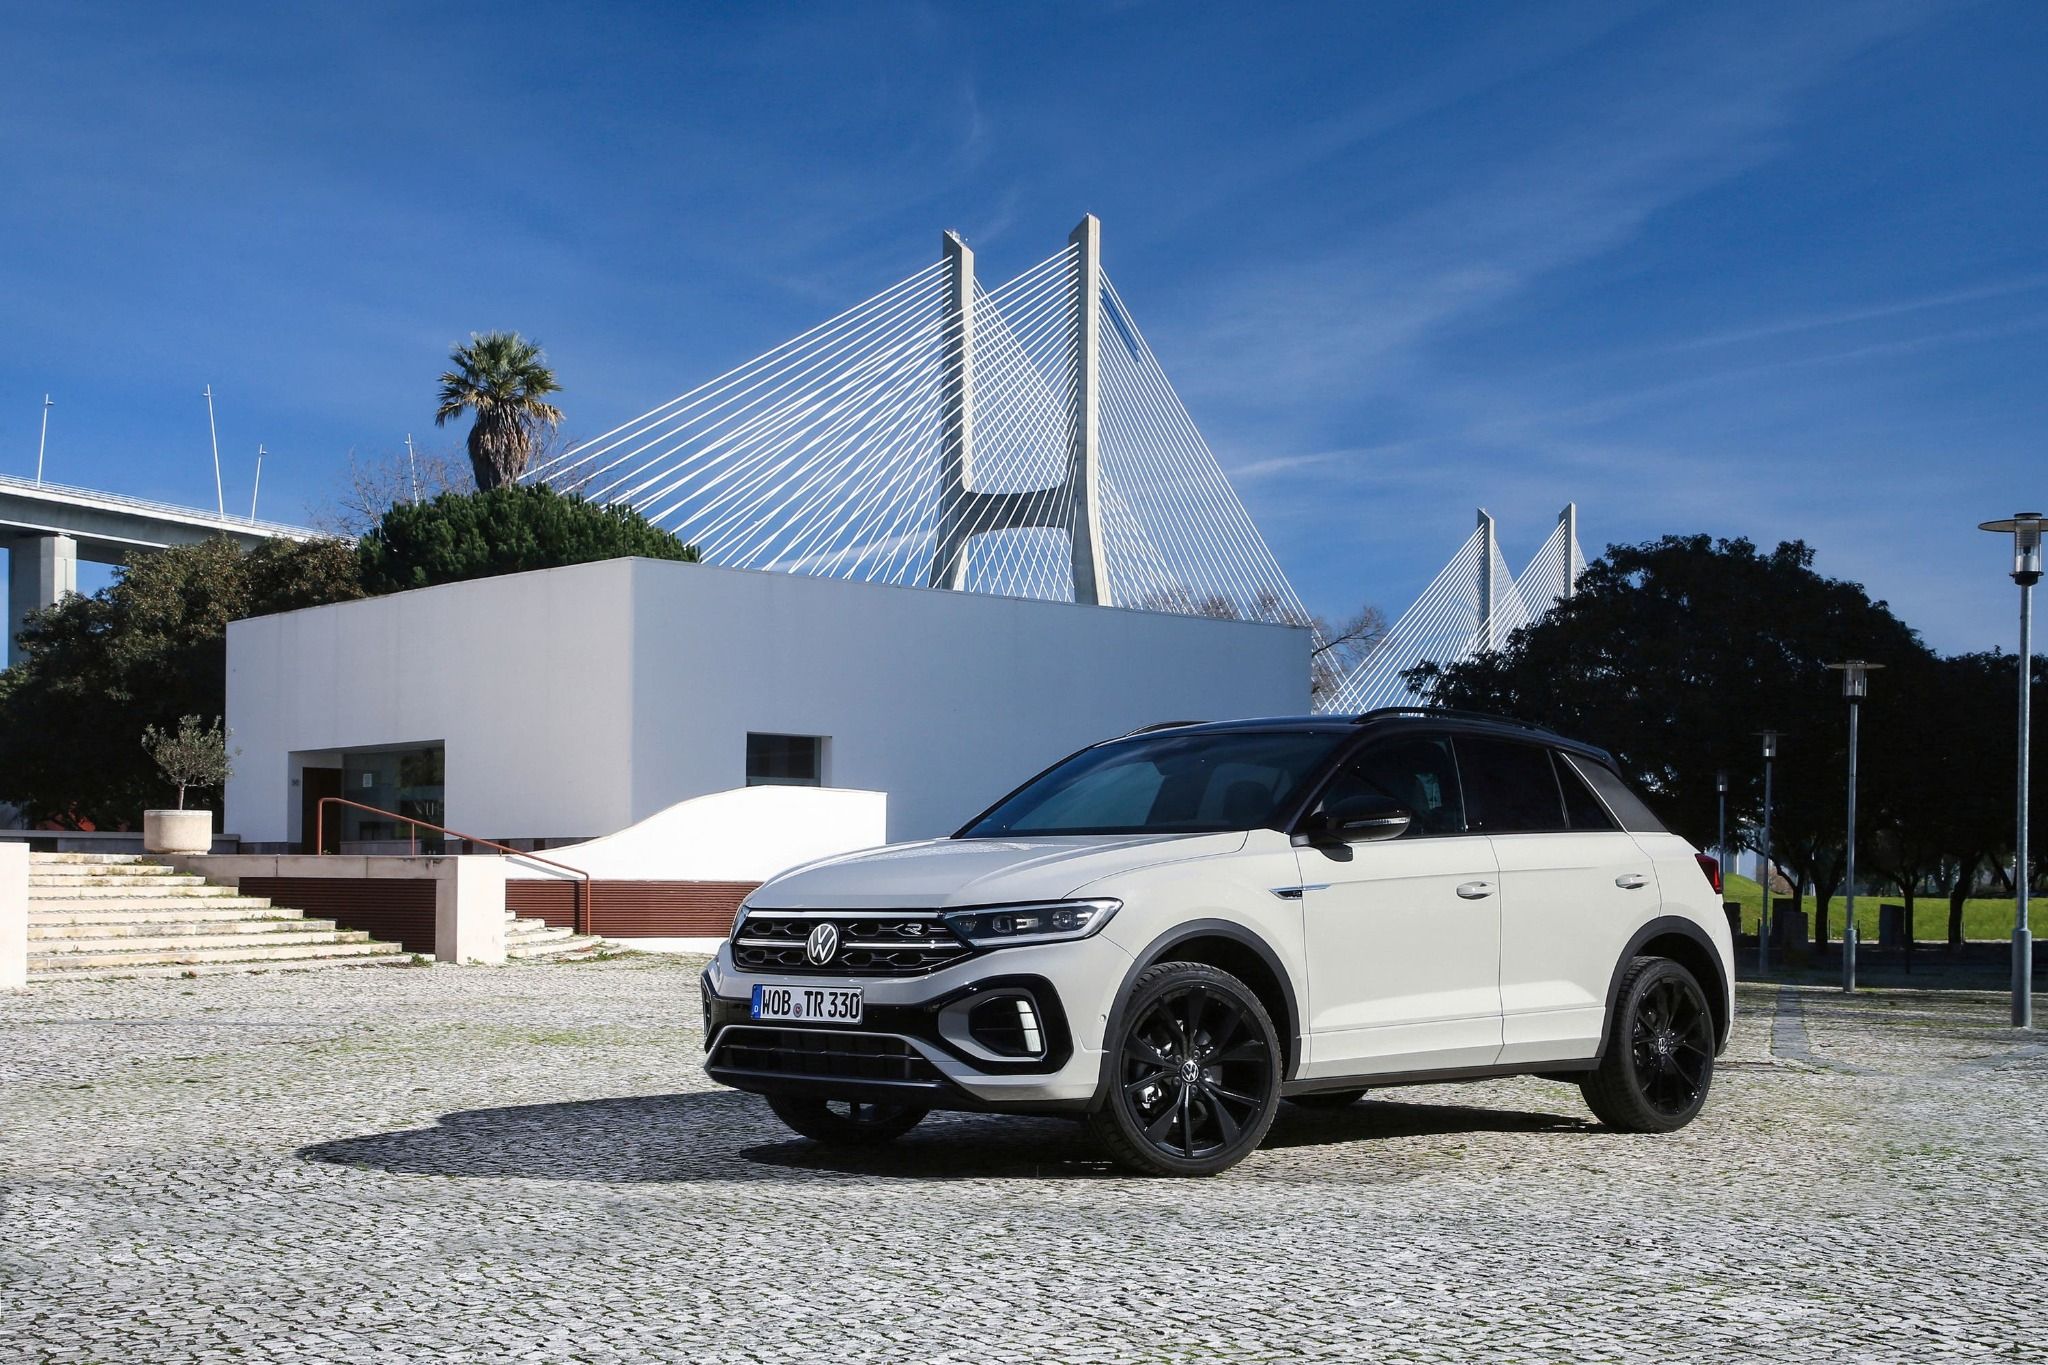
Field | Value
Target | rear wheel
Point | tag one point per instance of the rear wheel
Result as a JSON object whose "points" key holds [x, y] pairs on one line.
{"points": [[1659, 1059], [845, 1123], [1195, 1073], [1328, 1099]]}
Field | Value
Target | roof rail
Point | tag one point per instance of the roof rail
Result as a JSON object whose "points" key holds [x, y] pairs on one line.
{"points": [[1160, 725], [1447, 713]]}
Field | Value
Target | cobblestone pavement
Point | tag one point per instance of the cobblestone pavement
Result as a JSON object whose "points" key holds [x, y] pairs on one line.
{"points": [[527, 1164]]}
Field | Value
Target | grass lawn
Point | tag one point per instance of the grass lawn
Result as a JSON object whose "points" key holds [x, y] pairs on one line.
{"points": [[1981, 918]]}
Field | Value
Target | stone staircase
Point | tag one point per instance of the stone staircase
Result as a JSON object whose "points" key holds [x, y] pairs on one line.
{"points": [[96, 915], [530, 939]]}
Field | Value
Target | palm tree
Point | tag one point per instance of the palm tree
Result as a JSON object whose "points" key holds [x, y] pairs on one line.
{"points": [[503, 377]]}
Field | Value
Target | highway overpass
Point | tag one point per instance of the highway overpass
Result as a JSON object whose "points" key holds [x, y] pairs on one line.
{"points": [[47, 528]]}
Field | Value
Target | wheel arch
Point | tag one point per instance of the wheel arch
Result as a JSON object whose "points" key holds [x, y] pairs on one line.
{"points": [[1683, 942], [1227, 947]]}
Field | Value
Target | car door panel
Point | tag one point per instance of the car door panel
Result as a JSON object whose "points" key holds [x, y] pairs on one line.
{"points": [[1403, 970], [1402, 935], [1569, 903]]}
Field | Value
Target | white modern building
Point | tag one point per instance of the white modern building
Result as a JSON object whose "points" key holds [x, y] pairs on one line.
{"points": [[571, 703]]}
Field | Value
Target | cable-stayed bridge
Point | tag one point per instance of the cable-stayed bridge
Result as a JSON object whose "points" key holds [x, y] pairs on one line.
{"points": [[1473, 604], [1019, 439]]}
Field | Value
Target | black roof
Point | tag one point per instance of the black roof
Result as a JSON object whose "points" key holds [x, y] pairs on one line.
{"points": [[1391, 717]]}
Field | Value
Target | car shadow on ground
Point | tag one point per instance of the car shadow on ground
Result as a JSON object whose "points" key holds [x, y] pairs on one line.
{"points": [[723, 1135]]}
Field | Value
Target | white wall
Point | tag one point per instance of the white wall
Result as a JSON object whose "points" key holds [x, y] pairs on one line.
{"points": [[944, 700], [523, 677], [580, 700]]}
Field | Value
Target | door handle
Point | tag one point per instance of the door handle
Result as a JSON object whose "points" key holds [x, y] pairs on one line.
{"points": [[1475, 891], [1631, 881]]}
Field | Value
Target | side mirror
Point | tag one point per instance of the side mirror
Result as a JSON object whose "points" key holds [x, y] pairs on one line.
{"points": [[1365, 818]]}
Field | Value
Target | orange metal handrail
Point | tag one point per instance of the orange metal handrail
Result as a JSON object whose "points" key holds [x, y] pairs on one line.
{"points": [[579, 916]]}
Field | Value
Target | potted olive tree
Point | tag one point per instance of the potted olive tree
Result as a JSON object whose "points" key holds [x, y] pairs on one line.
{"points": [[193, 755]]}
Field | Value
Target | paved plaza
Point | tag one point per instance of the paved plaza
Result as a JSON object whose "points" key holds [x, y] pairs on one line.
{"points": [[526, 1163]]}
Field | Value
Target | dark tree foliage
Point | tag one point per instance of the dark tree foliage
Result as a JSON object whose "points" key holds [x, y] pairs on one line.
{"points": [[1674, 654], [97, 671], [510, 529]]}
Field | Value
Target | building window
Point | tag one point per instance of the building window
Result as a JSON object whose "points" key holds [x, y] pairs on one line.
{"points": [[785, 761], [406, 782]]}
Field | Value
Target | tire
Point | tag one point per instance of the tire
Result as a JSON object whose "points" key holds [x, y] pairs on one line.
{"points": [[1658, 1063], [1194, 1073], [1327, 1099], [845, 1123]]}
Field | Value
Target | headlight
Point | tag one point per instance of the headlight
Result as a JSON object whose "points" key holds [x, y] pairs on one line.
{"points": [[1003, 926]]}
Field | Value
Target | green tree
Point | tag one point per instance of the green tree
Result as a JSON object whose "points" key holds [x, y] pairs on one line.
{"points": [[1674, 653], [1947, 810], [98, 671], [510, 529], [504, 380], [193, 755]]}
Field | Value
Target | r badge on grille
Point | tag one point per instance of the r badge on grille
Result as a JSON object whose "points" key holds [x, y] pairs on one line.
{"points": [[822, 944]]}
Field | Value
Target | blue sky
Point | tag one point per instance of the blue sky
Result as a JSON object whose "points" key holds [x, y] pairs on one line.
{"points": [[1772, 270]]}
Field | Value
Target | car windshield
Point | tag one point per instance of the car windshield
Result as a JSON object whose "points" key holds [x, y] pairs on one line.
{"points": [[1167, 784]]}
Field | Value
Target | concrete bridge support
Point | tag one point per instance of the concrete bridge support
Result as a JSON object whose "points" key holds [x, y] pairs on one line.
{"points": [[41, 569]]}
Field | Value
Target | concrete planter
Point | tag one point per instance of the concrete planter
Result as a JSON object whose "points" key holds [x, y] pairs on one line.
{"points": [[177, 831]]}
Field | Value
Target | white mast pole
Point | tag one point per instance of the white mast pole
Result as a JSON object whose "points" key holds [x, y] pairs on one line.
{"points": [[258, 488], [42, 440], [219, 502], [413, 467]]}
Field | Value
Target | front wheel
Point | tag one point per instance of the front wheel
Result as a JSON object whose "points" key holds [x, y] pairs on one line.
{"points": [[1659, 1059], [1194, 1073], [845, 1123]]}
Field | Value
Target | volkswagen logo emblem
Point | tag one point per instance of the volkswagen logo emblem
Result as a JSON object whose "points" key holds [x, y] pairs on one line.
{"points": [[822, 944]]}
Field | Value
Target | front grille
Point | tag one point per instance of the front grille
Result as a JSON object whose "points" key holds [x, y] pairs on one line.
{"points": [[821, 1054], [904, 945]]}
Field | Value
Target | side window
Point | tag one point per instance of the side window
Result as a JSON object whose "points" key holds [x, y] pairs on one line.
{"points": [[1581, 808], [1417, 771], [1509, 787], [1628, 808]]}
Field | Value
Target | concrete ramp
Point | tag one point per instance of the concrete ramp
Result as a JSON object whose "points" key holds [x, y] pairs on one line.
{"points": [[748, 834]]}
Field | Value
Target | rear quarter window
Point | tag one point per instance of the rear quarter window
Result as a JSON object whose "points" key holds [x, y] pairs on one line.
{"points": [[1628, 808]]}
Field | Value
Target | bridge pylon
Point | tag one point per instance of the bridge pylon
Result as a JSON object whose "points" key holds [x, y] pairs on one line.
{"points": [[1073, 505]]}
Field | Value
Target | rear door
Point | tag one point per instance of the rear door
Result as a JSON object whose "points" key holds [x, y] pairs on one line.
{"points": [[1402, 935], [1574, 888]]}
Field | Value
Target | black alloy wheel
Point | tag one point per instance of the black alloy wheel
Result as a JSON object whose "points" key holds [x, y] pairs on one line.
{"points": [[1195, 1073], [846, 1123], [1658, 1064]]}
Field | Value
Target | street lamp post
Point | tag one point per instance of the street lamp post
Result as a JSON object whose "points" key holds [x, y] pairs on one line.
{"points": [[2025, 529], [1855, 686], [1763, 871], [1721, 822]]}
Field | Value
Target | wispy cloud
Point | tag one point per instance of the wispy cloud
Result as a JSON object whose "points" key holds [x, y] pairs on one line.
{"points": [[1813, 322], [1580, 184]]}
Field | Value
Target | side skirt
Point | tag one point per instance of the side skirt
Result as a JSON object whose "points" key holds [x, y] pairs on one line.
{"points": [[1380, 1080]]}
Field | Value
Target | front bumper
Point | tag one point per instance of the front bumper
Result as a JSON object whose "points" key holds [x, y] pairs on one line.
{"points": [[909, 1048]]}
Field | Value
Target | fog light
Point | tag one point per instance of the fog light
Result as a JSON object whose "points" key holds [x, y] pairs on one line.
{"points": [[1007, 1025]]}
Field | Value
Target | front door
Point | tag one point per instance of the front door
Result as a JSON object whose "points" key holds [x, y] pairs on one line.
{"points": [[315, 783], [1403, 935]]}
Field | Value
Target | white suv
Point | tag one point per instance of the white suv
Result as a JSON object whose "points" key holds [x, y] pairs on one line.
{"points": [[1171, 932]]}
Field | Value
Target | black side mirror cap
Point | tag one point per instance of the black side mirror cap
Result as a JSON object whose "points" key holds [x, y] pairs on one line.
{"points": [[1363, 819]]}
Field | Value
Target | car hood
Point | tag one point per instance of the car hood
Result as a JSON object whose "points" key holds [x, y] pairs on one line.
{"points": [[949, 872]]}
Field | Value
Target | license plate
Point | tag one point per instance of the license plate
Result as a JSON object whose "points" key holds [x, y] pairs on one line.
{"points": [[808, 1004]]}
